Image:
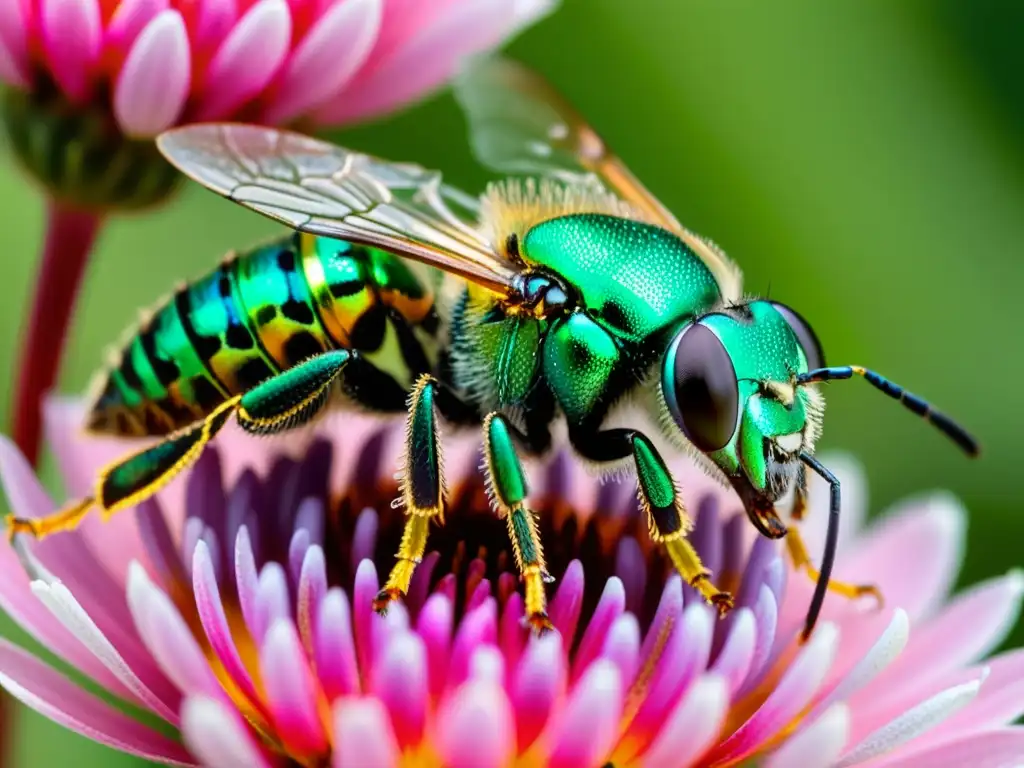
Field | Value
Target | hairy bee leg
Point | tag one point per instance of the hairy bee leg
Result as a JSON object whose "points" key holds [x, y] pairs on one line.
{"points": [[279, 403], [423, 489], [669, 522], [509, 488], [802, 562], [131, 480]]}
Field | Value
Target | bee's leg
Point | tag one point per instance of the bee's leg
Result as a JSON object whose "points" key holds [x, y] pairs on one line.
{"points": [[666, 515], [508, 488], [287, 400], [801, 558], [423, 489], [669, 523]]}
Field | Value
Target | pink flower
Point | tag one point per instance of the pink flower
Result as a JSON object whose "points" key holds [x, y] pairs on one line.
{"points": [[238, 609], [86, 84], [162, 62]]}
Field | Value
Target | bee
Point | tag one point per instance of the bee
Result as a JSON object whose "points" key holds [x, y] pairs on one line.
{"points": [[556, 297]]}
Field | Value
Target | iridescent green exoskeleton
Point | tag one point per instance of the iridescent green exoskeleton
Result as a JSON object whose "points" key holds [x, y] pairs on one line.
{"points": [[561, 295]]}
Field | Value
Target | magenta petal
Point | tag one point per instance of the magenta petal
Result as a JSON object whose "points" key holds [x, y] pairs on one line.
{"points": [[622, 647], [54, 696], [334, 649], [214, 20], [568, 601], [734, 660], [476, 728], [291, 689], [129, 19], [434, 625], [215, 621], [71, 41], [247, 60], [311, 591], [329, 55], [14, 43], [353, 720], [477, 628], [685, 655], [168, 638], [272, 600], [609, 608], [400, 682], [218, 735], [795, 690], [154, 82], [539, 683], [692, 726], [364, 590], [586, 729]]}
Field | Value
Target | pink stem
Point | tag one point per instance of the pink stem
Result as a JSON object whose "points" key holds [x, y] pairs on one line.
{"points": [[70, 234]]}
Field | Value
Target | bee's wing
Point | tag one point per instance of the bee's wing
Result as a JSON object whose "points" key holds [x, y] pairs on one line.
{"points": [[519, 124], [317, 187]]}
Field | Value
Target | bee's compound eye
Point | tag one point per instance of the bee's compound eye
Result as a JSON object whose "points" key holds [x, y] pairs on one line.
{"points": [[700, 387], [805, 335]]}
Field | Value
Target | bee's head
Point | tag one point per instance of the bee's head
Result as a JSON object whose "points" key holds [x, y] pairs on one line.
{"points": [[730, 384]]}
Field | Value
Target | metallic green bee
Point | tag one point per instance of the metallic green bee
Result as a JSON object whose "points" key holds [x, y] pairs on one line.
{"points": [[558, 297]]}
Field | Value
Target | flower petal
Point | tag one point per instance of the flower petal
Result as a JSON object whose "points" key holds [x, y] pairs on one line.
{"points": [[476, 728], [733, 663], [816, 745], [329, 55], [692, 725], [71, 32], [609, 608], [353, 720], [291, 689], [538, 685], [51, 694], [1000, 701], [1000, 748], [434, 625], [168, 638], [400, 682], [334, 647], [965, 630], [14, 42], [912, 724], [586, 729], [247, 60], [143, 679], [934, 524], [215, 622], [478, 627], [154, 82], [218, 736], [130, 17], [794, 691], [422, 64]]}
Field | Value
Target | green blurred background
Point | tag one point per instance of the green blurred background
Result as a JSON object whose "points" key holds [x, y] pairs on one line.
{"points": [[863, 159]]}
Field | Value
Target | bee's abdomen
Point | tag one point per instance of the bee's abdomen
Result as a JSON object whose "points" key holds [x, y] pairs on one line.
{"points": [[257, 314]]}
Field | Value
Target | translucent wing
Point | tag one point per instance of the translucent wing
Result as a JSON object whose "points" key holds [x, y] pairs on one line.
{"points": [[316, 187], [519, 124]]}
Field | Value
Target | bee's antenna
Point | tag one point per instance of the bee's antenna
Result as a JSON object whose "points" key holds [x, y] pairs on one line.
{"points": [[922, 408], [831, 541]]}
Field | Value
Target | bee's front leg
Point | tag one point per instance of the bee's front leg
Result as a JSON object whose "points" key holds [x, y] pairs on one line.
{"points": [[666, 516], [507, 484]]}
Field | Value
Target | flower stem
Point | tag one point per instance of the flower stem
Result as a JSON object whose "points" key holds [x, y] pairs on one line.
{"points": [[70, 234]]}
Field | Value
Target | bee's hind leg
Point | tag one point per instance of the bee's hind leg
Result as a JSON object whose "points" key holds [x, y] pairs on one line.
{"points": [[287, 400]]}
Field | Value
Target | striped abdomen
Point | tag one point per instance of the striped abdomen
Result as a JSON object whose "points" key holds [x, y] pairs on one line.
{"points": [[259, 313]]}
